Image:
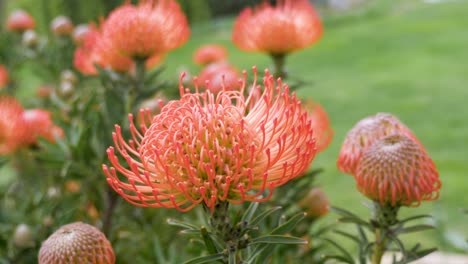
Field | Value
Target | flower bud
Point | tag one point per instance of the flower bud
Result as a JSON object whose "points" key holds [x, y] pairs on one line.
{"points": [[315, 203], [72, 186], [23, 236], [76, 243], [44, 91], [61, 26], [53, 192], [79, 33], [68, 76], [66, 89], [48, 221], [4, 78], [30, 39]]}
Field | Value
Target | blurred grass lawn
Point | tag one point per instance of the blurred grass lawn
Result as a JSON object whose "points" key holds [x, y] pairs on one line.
{"points": [[408, 58], [405, 57]]}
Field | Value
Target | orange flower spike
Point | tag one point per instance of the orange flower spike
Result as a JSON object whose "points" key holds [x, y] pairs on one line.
{"points": [[206, 148], [13, 130], [218, 76], [289, 26], [208, 54], [40, 123], [148, 29], [4, 77], [321, 124], [20, 20], [364, 134], [396, 170]]}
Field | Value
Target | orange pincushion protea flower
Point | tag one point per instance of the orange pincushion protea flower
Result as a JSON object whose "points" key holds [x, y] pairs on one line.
{"points": [[4, 78], [364, 134], [321, 124], [20, 20], [76, 243], [40, 124], [207, 148], [207, 54], [291, 25], [13, 129], [152, 27], [396, 170], [218, 76]]}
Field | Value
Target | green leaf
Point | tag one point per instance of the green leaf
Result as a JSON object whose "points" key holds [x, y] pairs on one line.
{"points": [[288, 225], [190, 232], [175, 222], [348, 235], [337, 257], [158, 251], [414, 218], [249, 213], [205, 259], [346, 255], [278, 239], [208, 241], [263, 215], [412, 229], [355, 220]]}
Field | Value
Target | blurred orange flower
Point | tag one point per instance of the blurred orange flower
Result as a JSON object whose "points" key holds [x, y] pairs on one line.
{"points": [[150, 28], [219, 76], [396, 170], [20, 20], [207, 148], [364, 134], [4, 78], [289, 26], [211, 53], [40, 124], [13, 128], [320, 123]]}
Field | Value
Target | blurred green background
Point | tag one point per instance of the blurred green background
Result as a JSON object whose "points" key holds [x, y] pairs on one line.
{"points": [[405, 57]]}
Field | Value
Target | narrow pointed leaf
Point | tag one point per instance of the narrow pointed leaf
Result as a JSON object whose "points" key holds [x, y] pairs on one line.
{"points": [[249, 213], [337, 257], [345, 253], [414, 218], [208, 241], [348, 235], [412, 229], [278, 239], [288, 225], [205, 259], [263, 215], [175, 222]]}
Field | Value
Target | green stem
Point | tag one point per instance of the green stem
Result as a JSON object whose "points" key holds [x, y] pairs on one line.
{"points": [[380, 245], [385, 216], [279, 61]]}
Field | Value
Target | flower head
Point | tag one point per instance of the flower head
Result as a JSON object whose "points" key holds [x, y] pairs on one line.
{"points": [[61, 26], [40, 125], [396, 170], [4, 78], [207, 148], [76, 243], [364, 134], [218, 76], [13, 129], [289, 26], [321, 124], [150, 28], [208, 54], [20, 20]]}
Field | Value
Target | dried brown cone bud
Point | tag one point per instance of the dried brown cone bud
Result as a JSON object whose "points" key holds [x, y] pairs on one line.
{"points": [[396, 171], [76, 243], [364, 134]]}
